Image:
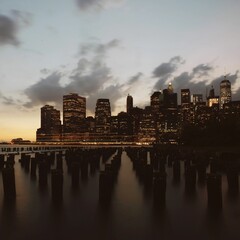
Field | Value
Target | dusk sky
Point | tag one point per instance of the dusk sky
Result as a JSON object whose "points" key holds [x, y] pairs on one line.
{"points": [[107, 49]]}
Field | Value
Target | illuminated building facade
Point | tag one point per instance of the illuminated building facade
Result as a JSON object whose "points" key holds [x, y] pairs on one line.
{"points": [[197, 98], [212, 99], [168, 118], [187, 109], [147, 128], [225, 92], [74, 114], [103, 117], [50, 129]]}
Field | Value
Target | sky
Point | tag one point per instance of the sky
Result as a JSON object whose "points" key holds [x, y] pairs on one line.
{"points": [[109, 49]]}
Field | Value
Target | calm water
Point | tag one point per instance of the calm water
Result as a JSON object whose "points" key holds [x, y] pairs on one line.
{"points": [[130, 214]]}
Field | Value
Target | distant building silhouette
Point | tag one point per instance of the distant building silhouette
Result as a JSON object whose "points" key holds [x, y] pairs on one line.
{"points": [[169, 97], [129, 103], [125, 128], [156, 101], [225, 92], [185, 97], [164, 121], [50, 125]]}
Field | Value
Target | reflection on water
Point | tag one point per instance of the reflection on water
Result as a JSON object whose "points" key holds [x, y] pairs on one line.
{"points": [[129, 212]]}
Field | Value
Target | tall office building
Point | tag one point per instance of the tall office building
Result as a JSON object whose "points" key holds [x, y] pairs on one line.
{"points": [[129, 103], [74, 113], [225, 92], [212, 99], [103, 116], [125, 128], [50, 125], [156, 101], [197, 99], [185, 97], [147, 126], [169, 133], [169, 97], [186, 112]]}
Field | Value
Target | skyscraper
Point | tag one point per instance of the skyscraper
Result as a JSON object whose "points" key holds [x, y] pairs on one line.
{"points": [[103, 116], [185, 97], [186, 111], [50, 124], [129, 103], [169, 97], [74, 113], [212, 99], [156, 101], [225, 92], [197, 98]]}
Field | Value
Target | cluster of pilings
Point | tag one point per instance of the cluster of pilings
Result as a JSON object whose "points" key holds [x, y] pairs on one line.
{"points": [[149, 164], [42, 164], [108, 177], [195, 165], [2, 161], [79, 161], [151, 172], [8, 176]]}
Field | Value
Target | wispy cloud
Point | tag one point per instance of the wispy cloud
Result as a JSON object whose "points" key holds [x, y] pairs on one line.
{"points": [[10, 25], [86, 5], [91, 78], [165, 70], [198, 80]]}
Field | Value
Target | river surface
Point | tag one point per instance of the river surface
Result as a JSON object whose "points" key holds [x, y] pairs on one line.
{"points": [[129, 215]]}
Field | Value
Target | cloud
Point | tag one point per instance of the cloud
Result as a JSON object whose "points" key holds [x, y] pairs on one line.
{"points": [[202, 70], [23, 18], [9, 26], [97, 48], [47, 90], [198, 80], [9, 101], [8, 31], [45, 71], [188, 80], [113, 92], [86, 5], [134, 79], [91, 78], [165, 70]]}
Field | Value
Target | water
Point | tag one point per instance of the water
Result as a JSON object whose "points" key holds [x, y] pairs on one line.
{"points": [[130, 214]]}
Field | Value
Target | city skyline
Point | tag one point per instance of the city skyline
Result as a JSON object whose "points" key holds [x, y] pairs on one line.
{"points": [[163, 121], [109, 49], [71, 117]]}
